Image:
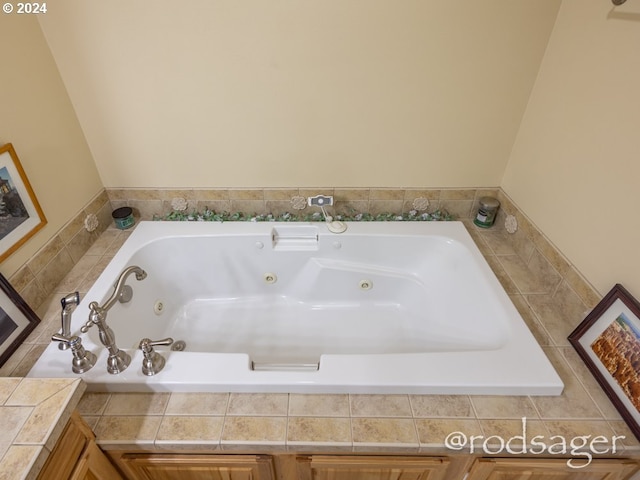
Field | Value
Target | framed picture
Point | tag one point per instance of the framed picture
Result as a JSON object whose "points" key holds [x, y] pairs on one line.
{"points": [[608, 340], [20, 213], [17, 320]]}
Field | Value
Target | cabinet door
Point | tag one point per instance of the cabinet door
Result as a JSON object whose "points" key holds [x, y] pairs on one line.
{"points": [[94, 465], [321, 467], [548, 469], [197, 467], [76, 456]]}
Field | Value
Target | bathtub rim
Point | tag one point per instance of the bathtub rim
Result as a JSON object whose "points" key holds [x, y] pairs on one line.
{"points": [[351, 373]]}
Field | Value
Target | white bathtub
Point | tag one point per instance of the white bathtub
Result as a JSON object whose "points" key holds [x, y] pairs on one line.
{"points": [[386, 307]]}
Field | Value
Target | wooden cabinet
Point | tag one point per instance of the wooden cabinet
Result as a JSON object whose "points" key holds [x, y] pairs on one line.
{"points": [[77, 457], [320, 467], [174, 466], [548, 469], [138, 466]]}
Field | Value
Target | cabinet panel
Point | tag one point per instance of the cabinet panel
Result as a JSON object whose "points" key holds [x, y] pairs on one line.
{"points": [[77, 457], [321, 467], [94, 465], [196, 467], [548, 469]]}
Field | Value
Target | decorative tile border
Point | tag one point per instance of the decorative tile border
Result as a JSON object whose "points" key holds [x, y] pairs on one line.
{"points": [[149, 203]]}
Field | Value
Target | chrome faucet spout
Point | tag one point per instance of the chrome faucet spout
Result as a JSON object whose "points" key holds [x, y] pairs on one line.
{"points": [[118, 360], [119, 287]]}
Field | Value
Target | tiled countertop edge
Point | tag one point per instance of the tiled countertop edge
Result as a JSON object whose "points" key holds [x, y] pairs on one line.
{"points": [[293, 423], [40, 409]]}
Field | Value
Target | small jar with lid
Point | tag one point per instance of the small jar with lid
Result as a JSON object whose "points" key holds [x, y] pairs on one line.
{"points": [[487, 212]]}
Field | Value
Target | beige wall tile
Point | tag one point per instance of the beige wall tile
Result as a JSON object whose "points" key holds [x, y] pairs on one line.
{"points": [[45, 255], [217, 206], [72, 280], [380, 406], [33, 391], [589, 382], [458, 208], [21, 278], [516, 433], [72, 228], [309, 431], [312, 192], [432, 432], [55, 271], [246, 194], [351, 195], [441, 406], [574, 401], [93, 403], [430, 194], [146, 209], [248, 207], [501, 274], [535, 277], [169, 194], [7, 386], [204, 195], [197, 404], [278, 207], [319, 405], [347, 207], [385, 206], [530, 318], [12, 420], [97, 203], [587, 294], [503, 407], [137, 404], [388, 194], [458, 194], [280, 194], [27, 359], [22, 458], [271, 404], [249, 430], [560, 313], [199, 430], [80, 244], [384, 432], [127, 430]]}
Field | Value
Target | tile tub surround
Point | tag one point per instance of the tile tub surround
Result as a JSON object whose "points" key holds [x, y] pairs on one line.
{"points": [[33, 414], [551, 296], [38, 278], [148, 203]]}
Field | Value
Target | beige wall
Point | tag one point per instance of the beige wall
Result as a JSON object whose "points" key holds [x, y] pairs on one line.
{"points": [[575, 165], [38, 119], [299, 93]]}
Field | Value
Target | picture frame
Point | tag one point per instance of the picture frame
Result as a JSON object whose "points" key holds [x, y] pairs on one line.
{"points": [[608, 341], [20, 213], [17, 320]]}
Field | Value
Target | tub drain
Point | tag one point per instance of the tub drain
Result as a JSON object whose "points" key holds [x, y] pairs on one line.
{"points": [[366, 284], [179, 346]]}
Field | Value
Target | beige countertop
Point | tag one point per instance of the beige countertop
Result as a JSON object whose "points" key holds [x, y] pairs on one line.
{"points": [[33, 413]]}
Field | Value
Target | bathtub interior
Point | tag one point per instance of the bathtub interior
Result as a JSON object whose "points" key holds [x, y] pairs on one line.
{"points": [[292, 302]]}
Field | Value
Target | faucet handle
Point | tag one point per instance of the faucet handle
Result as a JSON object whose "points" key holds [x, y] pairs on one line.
{"points": [[83, 360], [85, 328], [152, 362]]}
